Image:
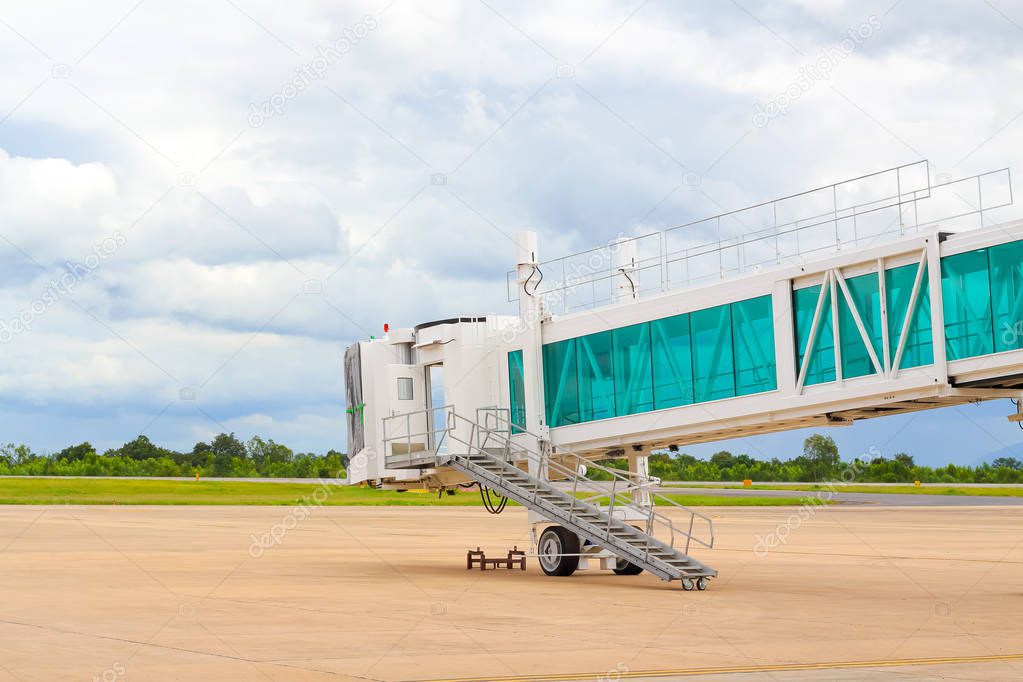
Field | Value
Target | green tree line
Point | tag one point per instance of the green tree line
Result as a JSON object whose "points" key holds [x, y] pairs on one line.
{"points": [[225, 455], [820, 461]]}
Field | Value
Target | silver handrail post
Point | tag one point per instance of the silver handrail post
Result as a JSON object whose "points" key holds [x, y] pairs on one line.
{"points": [[575, 488], [649, 533], [408, 436], [611, 506], [473, 437], [536, 485]]}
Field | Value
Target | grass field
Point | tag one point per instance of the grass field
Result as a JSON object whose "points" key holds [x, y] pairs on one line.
{"points": [[131, 491], [895, 489], [735, 501], [726, 500]]}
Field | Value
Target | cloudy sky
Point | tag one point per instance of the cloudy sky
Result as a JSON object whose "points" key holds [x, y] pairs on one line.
{"points": [[242, 187]]}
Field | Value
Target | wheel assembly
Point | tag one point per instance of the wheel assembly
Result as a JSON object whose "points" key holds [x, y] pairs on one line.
{"points": [[687, 584], [558, 551], [624, 567]]}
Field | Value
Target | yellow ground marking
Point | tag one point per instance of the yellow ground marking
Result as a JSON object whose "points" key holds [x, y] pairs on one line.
{"points": [[723, 670]]}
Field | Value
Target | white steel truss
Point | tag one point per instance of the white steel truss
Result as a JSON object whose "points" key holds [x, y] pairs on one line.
{"points": [[834, 282]]}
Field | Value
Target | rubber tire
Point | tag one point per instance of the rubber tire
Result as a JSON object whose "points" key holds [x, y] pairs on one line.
{"points": [[688, 585], [568, 542], [624, 567], [701, 584]]}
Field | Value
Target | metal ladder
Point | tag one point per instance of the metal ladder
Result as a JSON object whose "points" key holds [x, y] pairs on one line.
{"points": [[491, 451], [594, 523]]}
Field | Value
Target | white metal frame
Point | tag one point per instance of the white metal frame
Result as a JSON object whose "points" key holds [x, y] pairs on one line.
{"points": [[794, 404], [600, 268]]}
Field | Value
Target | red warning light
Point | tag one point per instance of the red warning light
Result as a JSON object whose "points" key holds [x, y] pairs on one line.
{"points": [[387, 327]]}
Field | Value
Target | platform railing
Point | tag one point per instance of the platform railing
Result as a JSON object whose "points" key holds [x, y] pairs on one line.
{"points": [[417, 431], [493, 431], [853, 213], [491, 434]]}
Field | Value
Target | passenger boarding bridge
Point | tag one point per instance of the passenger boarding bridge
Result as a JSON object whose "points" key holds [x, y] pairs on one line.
{"points": [[888, 293]]}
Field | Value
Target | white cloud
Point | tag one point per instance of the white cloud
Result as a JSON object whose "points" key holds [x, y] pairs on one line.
{"points": [[53, 209], [215, 272]]}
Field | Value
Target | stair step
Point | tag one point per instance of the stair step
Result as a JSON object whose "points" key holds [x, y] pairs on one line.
{"points": [[665, 556], [660, 558]]}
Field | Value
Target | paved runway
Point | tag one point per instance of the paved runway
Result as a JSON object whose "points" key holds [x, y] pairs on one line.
{"points": [[888, 499], [885, 499], [381, 593]]}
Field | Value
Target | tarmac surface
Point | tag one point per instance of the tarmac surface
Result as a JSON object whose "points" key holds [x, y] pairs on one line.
{"points": [[887, 499], [846, 592]]}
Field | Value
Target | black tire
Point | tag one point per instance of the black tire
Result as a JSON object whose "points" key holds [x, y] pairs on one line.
{"points": [[624, 567], [555, 543]]}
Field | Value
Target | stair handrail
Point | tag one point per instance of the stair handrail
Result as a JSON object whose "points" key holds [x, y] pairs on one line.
{"points": [[619, 497], [614, 497], [430, 433], [482, 431], [615, 473]]}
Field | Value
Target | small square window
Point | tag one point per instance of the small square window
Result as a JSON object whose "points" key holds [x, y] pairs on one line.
{"points": [[404, 388]]}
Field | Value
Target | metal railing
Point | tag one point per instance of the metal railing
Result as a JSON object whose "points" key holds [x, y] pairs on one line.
{"points": [[853, 213], [491, 434], [421, 442], [621, 491]]}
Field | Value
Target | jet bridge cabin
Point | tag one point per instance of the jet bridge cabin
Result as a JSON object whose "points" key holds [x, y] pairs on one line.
{"points": [[885, 294]]}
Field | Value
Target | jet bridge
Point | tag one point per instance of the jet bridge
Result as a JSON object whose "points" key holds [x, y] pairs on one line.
{"points": [[889, 293]]}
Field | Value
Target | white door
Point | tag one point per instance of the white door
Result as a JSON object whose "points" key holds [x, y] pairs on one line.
{"points": [[435, 401]]}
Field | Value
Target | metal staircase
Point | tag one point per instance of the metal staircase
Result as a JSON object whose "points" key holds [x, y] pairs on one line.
{"points": [[617, 514]]}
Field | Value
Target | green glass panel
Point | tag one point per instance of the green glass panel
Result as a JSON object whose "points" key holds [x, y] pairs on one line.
{"points": [[596, 378], [673, 364], [753, 332], [560, 383], [713, 364], [633, 373], [516, 391], [1006, 261], [705, 355], [821, 367], [865, 291], [966, 302], [919, 348]]}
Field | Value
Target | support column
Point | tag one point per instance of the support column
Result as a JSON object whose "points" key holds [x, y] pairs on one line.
{"points": [[785, 351], [627, 278], [937, 310], [639, 467], [525, 267], [530, 318]]}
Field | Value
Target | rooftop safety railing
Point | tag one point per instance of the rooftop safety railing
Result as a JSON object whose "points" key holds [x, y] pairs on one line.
{"points": [[851, 214]]}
